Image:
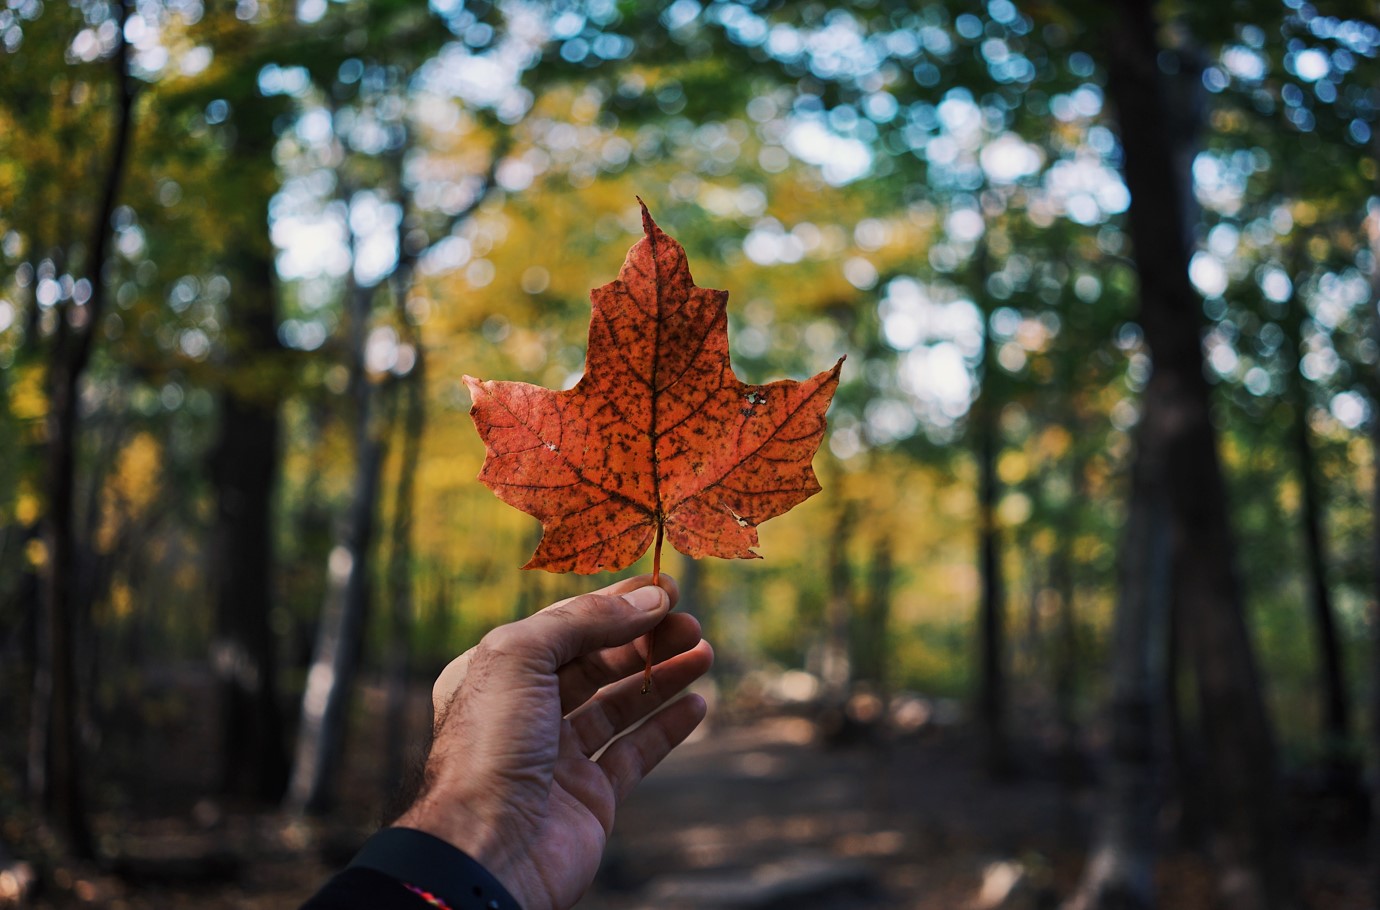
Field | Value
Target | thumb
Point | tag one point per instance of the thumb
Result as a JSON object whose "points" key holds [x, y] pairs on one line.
{"points": [[643, 604], [555, 636]]}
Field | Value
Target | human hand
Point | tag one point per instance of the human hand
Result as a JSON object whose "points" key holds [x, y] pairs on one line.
{"points": [[511, 779]]}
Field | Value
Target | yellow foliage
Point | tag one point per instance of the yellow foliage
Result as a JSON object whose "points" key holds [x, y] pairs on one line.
{"points": [[1228, 121], [36, 552], [1013, 466], [1360, 453], [138, 470], [187, 578], [1014, 509], [1290, 495], [26, 508], [776, 618], [1055, 442], [959, 501], [121, 600], [1305, 213], [1232, 456], [927, 660], [130, 489], [1089, 548], [28, 400]]}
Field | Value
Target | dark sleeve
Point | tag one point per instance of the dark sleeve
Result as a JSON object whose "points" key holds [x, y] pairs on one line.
{"points": [[406, 869]]}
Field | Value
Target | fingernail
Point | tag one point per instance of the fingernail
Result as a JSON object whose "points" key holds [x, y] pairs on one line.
{"points": [[648, 598]]}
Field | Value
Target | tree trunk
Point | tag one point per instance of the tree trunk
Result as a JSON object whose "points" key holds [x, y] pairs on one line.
{"points": [[59, 778], [1375, 623], [992, 608], [339, 640], [244, 466], [690, 578], [992, 673], [1332, 686], [411, 389], [1185, 773], [1120, 871], [1336, 700], [1373, 227], [340, 633], [244, 473], [529, 599], [836, 667], [56, 769], [872, 638], [1066, 652], [1028, 655], [1252, 861], [690, 582]]}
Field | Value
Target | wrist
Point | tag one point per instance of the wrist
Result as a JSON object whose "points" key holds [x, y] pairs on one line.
{"points": [[431, 866], [455, 824], [487, 841]]}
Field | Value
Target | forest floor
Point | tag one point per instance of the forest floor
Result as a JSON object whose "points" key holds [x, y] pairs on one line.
{"points": [[761, 810]]}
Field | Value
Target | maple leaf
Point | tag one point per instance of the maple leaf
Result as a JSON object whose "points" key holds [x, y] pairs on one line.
{"points": [[658, 436]]}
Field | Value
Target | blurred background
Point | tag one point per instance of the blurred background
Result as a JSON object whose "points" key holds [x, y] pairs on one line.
{"points": [[1084, 615]]}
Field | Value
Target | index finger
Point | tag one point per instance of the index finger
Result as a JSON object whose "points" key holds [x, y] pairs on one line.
{"points": [[453, 675], [666, 582]]}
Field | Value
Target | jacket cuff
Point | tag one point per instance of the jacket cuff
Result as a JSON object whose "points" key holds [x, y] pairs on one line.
{"points": [[429, 864]]}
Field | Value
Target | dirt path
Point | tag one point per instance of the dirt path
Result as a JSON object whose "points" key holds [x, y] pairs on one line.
{"points": [[755, 816], [764, 815]]}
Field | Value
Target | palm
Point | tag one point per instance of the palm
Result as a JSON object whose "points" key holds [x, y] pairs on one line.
{"points": [[581, 795], [513, 777], [563, 824]]}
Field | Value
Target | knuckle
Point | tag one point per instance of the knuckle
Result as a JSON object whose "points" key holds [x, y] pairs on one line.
{"points": [[579, 610], [502, 639], [595, 605]]}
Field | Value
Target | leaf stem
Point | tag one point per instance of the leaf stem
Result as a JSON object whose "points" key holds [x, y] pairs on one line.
{"points": [[656, 554], [651, 636]]}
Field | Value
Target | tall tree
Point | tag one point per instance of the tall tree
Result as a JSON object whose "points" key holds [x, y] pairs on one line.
{"points": [[992, 695], [61, 778], [340, 630], [1120, 870], [1333, 690], [244, 467], [409, 390], [410, 393], [1373, 230], [873, 638], [836, 665], [406, 39], [1254, 870], [228, 167]]}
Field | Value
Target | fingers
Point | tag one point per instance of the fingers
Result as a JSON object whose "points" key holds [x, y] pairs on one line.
{"points": [[622, 704], [590, 622], [623, 586], [610, 617], [631, 758], [584, 676]]}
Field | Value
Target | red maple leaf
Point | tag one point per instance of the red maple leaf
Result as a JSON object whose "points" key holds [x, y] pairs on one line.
{"points": [[658, 436]]}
